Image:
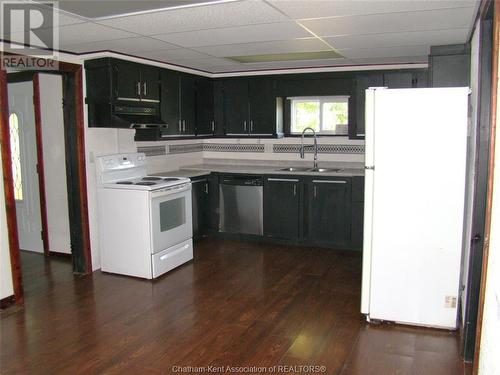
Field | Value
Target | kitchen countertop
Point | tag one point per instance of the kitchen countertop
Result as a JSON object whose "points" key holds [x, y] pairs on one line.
{"points": [[350, 169]]}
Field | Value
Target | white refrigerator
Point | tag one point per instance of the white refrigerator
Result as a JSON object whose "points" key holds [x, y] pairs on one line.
{"points": [[415, 143]]}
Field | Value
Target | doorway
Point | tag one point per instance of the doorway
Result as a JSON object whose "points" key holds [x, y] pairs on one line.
{"points": [[72, 104]]}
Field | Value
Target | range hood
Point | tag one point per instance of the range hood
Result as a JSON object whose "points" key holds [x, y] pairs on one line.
{"points": [[138, 117]]}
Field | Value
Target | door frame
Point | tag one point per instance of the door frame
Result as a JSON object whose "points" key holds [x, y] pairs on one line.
{"points": [[34, 78], [76, 167]]}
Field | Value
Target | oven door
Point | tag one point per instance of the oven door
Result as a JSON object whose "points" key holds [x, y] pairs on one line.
{"points": [[171, 216]]}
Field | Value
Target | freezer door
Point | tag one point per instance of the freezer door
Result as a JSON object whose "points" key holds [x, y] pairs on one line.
{"points": [[418, 205]]}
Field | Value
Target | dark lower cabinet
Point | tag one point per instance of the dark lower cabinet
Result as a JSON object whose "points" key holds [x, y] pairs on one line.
{"points": [[329, 207], [357, 211], [202, 206], [282, 207]]}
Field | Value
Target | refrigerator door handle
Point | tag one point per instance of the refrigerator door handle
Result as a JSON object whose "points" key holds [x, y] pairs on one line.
{"points": [[370, 167]]}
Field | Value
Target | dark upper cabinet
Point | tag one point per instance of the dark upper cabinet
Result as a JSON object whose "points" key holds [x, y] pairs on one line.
{"points": [[251, 107], [218, 86], [178, 101], [205, 118], [135, 82], [115, 85], [201, 206], [282, 207], [170, 110], [449, 66], [262, 107], [329, 211], [127, 80], [363, 82], [398, 80], [236, 114], [188, 105]]}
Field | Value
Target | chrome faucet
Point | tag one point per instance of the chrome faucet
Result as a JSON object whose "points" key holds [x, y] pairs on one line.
{"points": [[302, 147]]}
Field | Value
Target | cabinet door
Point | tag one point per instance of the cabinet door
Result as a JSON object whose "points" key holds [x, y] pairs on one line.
{"points": [[201, 207], [357, 211], [363, 82], [329, 211], [282, 207], [398, 80], [127, 80], [236, 107], [150, 84], [188, 105], [262, 100], [170, 103], [205, 123], [450, 70]]}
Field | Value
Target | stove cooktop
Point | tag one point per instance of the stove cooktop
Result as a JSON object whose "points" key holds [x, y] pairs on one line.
{"points": [[148, 183]]}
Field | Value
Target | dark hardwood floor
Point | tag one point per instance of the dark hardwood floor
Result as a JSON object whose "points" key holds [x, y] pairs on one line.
{"points": [[236, 304]]}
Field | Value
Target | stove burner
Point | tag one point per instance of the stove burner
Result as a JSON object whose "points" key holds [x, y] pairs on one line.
{"points": [[170, 179], [124, 182], [145, 183], [151, 178]]}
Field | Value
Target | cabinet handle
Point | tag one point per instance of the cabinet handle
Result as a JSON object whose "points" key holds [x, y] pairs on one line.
{"points": [[138, 88], [184, 125], [206, 188], [251, 125], [315, 191], [145, 88], [283, 179], [180, 126], [244, 125], [294, 190], [213, 126], [328, 182]]}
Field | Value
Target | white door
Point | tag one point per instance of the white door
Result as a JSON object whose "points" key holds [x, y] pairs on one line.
{"points": [[418, 188], [24, 165]]}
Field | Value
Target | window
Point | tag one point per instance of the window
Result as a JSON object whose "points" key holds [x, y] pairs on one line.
{"points": [[325, 114], [15, 150]]}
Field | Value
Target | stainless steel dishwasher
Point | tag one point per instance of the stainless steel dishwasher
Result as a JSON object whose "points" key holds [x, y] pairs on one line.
{"points": [[241, 204]]}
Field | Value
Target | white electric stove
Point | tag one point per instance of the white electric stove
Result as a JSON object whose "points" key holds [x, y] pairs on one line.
{"points": [[145, 222]]}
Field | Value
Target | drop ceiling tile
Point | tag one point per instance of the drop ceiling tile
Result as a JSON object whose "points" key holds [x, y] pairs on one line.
{"points": [[89, 32], [392, 22], [174, 55], [236, 35], [199, 18], [301, 9], [62, 20], [385, 52], [432, 37], [283, 46], [297, 64], [127, 45]]}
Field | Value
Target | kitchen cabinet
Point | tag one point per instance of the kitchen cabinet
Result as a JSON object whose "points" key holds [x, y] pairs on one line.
{"points": [[205, 117], [398, 80], [282, 207], [329, 211], [251, 107], [449, 66], [357, 212], [178, 104], [118, 87], [135, 82], [363, 82], [202, 206]]}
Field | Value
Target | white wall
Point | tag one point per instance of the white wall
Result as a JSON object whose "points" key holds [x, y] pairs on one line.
{"points": [[489, 359], [6, 288], [54, 159]]}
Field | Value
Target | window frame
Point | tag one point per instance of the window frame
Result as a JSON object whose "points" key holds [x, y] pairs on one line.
{"points": [[321, 99]]}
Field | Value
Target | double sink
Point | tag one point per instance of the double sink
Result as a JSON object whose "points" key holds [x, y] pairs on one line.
{"points": [[305, 169]]}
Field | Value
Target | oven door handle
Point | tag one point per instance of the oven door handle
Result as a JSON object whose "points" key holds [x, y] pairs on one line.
{"points": [[170, 191]]}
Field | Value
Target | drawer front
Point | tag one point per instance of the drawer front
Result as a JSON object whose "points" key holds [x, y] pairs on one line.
{"points": [[172, 257]]}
